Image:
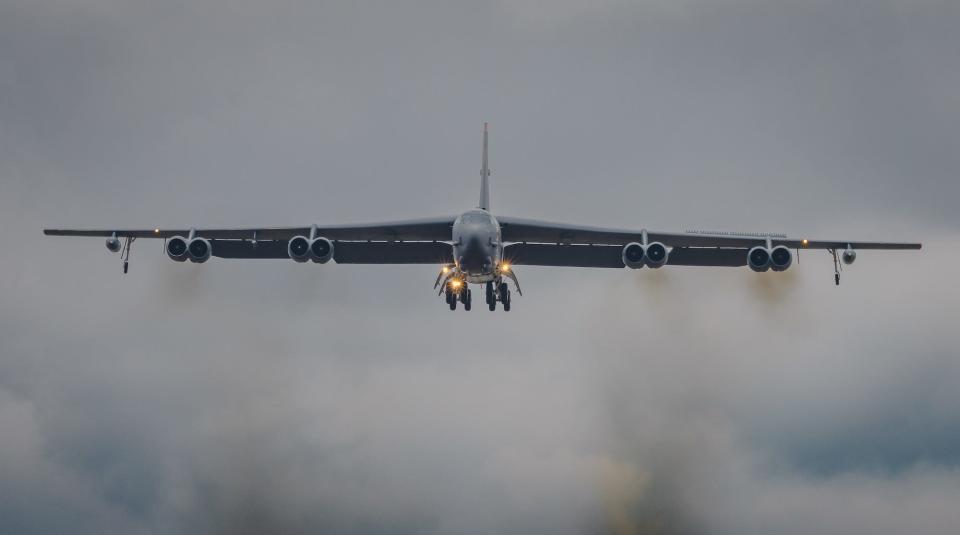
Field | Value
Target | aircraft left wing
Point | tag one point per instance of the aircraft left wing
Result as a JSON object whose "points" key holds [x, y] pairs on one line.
{"points": [[610, 256], [532, 231]]}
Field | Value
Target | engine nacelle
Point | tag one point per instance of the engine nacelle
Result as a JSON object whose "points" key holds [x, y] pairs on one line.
{"points": [[321, 250], [301, 249], [298, 248], [780, 258], [758, 259], [113, 244], [656, 255], [633, 255], [199, 250], [849, 256], [177, 249]]}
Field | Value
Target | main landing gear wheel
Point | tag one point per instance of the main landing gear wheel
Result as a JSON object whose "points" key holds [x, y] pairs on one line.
{"points": [[505, 296], [491, 297], [467, 297], [451, 299]]}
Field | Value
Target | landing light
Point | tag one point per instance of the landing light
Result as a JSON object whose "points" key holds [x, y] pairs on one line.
{"points": [[446, 269], [505, 266], [805, 242], [156, 231], [455, 283]]}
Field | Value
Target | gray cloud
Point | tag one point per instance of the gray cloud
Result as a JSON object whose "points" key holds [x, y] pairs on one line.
{"points": [[266, 396]]}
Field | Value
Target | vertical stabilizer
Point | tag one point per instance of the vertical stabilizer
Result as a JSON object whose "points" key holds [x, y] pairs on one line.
{"points": [[484, 175]]}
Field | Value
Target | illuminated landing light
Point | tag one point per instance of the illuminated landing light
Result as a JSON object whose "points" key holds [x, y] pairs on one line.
{"points": [[805, 242], [156, 231], [455, 283], [505, 266], [445, 269]]}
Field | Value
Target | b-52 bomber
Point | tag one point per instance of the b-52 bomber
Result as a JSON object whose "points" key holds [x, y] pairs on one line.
{"points": [[479, 248]]}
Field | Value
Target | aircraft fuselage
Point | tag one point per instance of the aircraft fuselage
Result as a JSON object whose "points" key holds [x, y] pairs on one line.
{"points": [[477, 246]]}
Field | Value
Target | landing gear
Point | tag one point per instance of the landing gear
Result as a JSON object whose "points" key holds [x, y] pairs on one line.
{"points": [[457, 291], [836, 267], [451, 298], [125, 253]]}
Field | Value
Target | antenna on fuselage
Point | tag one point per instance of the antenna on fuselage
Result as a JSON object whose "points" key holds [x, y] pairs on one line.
{"points": [[484, 175]]}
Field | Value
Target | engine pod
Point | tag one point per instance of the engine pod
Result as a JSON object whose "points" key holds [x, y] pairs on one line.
{"points": [[321, 250], [656, 255], [633, 255], [298, 248], [199, 250], [758, 259], [177, 248], [780, 258]]}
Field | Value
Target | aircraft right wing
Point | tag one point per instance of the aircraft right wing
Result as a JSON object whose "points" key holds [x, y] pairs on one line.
{"points": [[434, 229], [415, 241], [344, 252]]}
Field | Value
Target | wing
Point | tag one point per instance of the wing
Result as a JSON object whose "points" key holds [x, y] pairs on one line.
{"points": [[531, 231], [418, 241], [344, 252], [435, 229], [609, 256]]}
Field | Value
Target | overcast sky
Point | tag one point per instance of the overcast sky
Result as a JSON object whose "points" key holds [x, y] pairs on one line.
{"points": [[272, 397]]}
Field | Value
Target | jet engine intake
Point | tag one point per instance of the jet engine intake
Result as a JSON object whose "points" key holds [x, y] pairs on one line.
{"points": [[633, 255], [298, 248], [656, 255], [177, 249], [758, 259], [199, 250], [849, 256], [321, 250], [780, 258]]}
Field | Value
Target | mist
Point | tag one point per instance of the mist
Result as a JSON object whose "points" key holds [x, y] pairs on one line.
{"points": [[268, 396]]}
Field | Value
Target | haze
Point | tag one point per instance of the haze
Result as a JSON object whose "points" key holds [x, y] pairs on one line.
{"points": [[272, 397]]}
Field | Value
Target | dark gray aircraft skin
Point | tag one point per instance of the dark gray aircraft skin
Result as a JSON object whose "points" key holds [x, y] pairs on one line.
{"points": [[478, 248]]}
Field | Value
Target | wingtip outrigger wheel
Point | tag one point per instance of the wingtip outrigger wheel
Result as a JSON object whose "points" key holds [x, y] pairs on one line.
{"points": [[836, 267], [125, 255]]}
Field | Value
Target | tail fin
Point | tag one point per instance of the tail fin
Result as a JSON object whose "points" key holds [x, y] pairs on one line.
{"points": [[484, 175]]}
